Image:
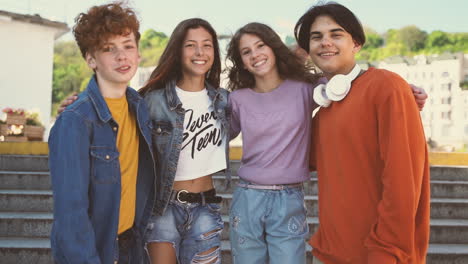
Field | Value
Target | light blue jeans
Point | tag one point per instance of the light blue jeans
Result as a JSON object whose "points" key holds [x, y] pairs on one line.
{"points": [[192, 229], [268, 226]]}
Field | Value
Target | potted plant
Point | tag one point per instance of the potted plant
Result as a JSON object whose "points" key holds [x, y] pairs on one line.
{"points": [[15, 116], [13, 127], [3, 128], [34, 130]]}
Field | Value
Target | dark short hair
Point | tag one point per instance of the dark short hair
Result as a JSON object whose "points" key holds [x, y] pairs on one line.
{"points": [[342, 16], [93, 28], [290, 65], [170, 64]]}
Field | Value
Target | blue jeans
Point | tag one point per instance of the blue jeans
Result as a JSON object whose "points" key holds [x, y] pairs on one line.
{"points": [[192, 229], [268, 226]]}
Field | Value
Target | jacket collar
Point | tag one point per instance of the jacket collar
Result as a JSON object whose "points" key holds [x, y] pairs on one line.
{"points": [[174, 101], [100, 104]]}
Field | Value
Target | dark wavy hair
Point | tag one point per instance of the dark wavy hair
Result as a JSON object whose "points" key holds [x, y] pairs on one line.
{"points": [[170, 65], [290, 65], [342, 16], [93, 28]]}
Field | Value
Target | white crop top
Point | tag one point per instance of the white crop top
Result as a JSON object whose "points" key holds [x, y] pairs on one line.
{"points": [[203, 145]]}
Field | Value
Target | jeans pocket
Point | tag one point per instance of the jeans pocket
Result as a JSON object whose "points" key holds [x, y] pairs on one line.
{"points": [[214, 207]]}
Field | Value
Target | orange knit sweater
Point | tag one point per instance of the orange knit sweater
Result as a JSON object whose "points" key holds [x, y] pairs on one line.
{"points": [[371, 157]]}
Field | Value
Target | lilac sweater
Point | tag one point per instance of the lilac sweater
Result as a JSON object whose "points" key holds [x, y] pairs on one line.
{"points": [[275, 130]]}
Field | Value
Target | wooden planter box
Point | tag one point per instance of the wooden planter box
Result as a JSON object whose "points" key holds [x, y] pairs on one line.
{"points": [[3, 130], [16, 138], [34, 132], [15, 119]]}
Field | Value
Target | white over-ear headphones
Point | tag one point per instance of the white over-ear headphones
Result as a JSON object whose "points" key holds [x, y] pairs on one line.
{"points": [[336, 89]]}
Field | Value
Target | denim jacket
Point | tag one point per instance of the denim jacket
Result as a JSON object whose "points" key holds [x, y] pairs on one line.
{"points": [[86, 181], [167, 117]]}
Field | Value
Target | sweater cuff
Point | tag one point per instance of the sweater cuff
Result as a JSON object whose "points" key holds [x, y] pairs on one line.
{"points": [[379, 257]]}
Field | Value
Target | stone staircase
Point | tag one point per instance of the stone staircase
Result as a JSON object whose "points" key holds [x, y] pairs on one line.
{"points": [[26, 211]]}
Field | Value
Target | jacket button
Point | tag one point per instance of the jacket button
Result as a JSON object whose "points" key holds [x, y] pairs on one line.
{"points": [[158, 130], [114, 128], [220, 110], [107, 157]]}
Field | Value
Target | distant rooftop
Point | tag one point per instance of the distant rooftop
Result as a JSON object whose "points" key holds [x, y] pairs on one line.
{"points": [[398, 59], [34, 19]]}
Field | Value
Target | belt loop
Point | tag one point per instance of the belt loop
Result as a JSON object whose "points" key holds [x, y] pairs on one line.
{"points": [[203, 201]]}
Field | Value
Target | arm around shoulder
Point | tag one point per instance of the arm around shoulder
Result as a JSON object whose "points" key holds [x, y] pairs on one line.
{"points": [[234, 126]]}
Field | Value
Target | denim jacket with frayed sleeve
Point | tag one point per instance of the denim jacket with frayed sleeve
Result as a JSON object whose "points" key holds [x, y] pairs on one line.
{"points": [[86, 180], [167, 118]]}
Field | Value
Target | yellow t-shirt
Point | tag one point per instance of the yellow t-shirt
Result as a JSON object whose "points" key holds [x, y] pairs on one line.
{"points": [[127, 144]]}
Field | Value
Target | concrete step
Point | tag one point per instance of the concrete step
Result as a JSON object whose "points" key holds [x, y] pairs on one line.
{"points": [[25, 224], [26, 201], [449, 189], [42, 201], [449, 173], [437, 254], [22, 180], [14, 250], [447, 254], [24, 162], [439, 189], [444, 208], [40, 163], [38, 225], [442, 230], [449, 208], [20, 250]]}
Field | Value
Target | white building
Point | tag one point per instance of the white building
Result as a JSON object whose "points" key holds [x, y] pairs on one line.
{"points": [[27, 49], [445, 115]]}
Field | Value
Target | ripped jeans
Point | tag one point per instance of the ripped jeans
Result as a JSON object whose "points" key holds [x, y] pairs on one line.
{"points": [[268, 226], [192, 229]]}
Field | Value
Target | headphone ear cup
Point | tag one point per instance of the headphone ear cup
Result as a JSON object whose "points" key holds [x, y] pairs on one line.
{"points": [[338, 87], [320, 96]]}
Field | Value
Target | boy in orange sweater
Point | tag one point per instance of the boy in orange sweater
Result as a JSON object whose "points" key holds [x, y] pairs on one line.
{"points": [[369, 150]]}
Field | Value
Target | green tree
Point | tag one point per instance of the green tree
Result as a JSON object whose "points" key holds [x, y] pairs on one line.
{"points": [[437, 39], [70, 71], [152, 45], [412, 37]]}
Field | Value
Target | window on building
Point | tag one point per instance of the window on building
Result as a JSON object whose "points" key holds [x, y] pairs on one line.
{"points": [[432, 75], [445, 74], [466, 130], [446, 100], [424, 75], [446, 87], [446, 115], [446, 130]]}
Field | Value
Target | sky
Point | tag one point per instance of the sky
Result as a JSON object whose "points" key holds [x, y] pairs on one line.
{"points": [[227, 16]]}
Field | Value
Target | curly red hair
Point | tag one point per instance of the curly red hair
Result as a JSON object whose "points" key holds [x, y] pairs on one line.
{"points": [[93, 28]]}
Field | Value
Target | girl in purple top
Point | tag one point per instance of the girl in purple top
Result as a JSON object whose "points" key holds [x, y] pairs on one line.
{"points": [[272, 106]]}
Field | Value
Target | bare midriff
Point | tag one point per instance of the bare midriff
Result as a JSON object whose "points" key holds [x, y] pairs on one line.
{"points": [[197, 185]]}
